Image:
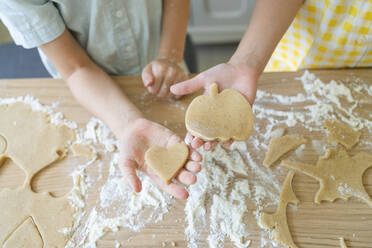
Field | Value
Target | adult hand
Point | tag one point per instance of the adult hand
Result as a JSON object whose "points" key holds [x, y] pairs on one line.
{"points": [[226, 75]]}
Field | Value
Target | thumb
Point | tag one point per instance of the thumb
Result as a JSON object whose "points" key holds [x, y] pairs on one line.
{"points": [[128, 169], [188, 86], [147, 76]]}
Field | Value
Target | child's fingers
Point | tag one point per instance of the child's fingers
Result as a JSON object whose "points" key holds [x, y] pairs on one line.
{"points": [[186, 177], [193, 166], [158, 71], [147, 77], [172, 188], [195, 156], [188, 86], [128, 169]]}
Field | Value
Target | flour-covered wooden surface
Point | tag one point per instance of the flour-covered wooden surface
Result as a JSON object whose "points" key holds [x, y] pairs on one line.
{"points": [[312, 225]]}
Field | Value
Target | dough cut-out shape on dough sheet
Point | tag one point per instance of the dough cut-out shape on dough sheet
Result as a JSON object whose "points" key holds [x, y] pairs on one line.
{"points": [[343, 243], [278, 146], [277, 222], [339, 174], [342, 133], [49, 214], [25, 235], [32, 142], [220, 116], [167, 162]]}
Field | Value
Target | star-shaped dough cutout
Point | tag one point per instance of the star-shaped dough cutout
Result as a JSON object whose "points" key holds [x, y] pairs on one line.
{"points": [[277, 222], [340, 175]]}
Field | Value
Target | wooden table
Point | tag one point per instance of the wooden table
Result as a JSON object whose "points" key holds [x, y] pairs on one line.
{"points": [[312, 225]]}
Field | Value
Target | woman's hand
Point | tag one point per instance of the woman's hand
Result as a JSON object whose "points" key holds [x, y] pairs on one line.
{"points": [[160, 75], [227, 75], [140, 136]]}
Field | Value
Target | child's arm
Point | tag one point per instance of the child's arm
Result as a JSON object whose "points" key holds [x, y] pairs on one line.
{"points": [[163, 72], [269, 21], [97, 92]]}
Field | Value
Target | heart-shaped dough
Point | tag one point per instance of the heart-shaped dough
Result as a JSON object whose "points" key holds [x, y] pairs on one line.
{"points": [[167, 162], [223, 116]]}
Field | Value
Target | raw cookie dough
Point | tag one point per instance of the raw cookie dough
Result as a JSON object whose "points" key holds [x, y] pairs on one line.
{"points": [[342, 243], [277, 222], [32, 143], [49, 214], [278, 146], [82, 150], [340, 175], [167, 162], [223, 116], [342, 133], [19, 239]]}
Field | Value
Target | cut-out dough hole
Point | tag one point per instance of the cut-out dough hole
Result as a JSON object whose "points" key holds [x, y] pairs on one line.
{"points": [[55, 178], [11, 175]]}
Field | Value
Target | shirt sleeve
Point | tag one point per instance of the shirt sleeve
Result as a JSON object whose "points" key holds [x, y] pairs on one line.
{"points": [[31, 23]]}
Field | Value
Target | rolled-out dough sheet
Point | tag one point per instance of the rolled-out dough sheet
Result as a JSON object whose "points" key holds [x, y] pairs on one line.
{"points": [[19, 239], [341, 133], [220, 116], [278, 146], [167, 162], [340, 175], [32, 143], [277, 222]]}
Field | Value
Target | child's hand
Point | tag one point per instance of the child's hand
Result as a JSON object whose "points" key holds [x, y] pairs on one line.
{"points": [[140, 136], [160, 75], [227, 75]]}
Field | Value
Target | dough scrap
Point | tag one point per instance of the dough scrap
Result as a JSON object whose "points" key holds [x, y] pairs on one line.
{"points": [[342, 133], [277, 222], [19, 239], [50, 215], [167, 162], [32, 141], [340, 175], [278, 146], [342, 243], [85, 151], [222, 116]]}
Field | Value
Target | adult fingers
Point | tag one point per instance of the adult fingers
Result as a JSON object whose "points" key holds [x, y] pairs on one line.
{"points": [[188, 86]]}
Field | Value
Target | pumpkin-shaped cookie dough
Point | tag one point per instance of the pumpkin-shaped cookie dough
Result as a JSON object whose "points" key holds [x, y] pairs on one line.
{"points": [[220, 116]]}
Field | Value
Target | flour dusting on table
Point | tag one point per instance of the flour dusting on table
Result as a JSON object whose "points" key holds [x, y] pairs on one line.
{"points": [[233, 186]]}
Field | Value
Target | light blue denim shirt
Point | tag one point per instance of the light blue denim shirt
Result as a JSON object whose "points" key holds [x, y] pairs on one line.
{"points": [[121, 36]]}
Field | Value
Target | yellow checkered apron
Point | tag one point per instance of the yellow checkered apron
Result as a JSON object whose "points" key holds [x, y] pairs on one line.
{"points": [[326, 34]]}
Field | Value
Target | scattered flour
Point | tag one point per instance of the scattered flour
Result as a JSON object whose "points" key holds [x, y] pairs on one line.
{"points": [[215, 196], [230, 181]]}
